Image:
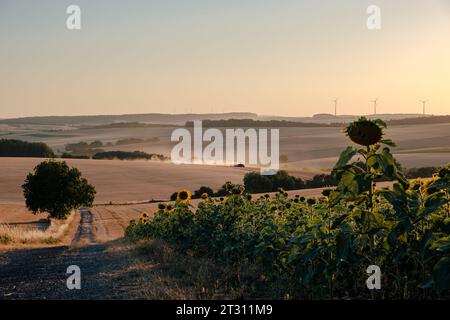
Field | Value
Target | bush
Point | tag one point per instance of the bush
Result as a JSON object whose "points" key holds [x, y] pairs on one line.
{"points": [[125, 155], [18, 148], [57, 189], [254, 182], [207, 190], [66, 155], [424, 172], [257, 183]]}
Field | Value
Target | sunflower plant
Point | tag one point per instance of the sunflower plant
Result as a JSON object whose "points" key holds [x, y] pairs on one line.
{"points": [[319, 248]]}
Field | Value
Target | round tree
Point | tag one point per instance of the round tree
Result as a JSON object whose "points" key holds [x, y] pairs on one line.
{"points": [[56, 188]]}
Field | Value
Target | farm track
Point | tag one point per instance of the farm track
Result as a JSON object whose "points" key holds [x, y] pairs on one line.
{"points": [[41, 273]]}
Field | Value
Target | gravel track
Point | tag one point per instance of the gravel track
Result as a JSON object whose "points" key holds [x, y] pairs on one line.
{"points": [[41, 273]]}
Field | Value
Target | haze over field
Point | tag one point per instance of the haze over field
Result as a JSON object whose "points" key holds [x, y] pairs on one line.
{"points": [[305, 147]]}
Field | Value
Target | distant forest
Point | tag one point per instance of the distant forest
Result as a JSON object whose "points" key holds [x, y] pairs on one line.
{"points": [[162, 118], [124, 125], [232, 123], [126, 155], [18, 148]]}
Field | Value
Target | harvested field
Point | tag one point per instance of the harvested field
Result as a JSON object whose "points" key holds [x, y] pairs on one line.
{"points": [[123, 181]]}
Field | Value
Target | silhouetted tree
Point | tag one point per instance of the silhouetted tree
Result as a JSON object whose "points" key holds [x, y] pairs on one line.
{"points": [[57, 189]]}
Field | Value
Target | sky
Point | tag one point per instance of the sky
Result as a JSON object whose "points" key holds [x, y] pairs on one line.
{"points": [[271, 57]]}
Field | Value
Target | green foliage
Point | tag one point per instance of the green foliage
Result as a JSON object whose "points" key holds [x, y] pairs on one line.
{"points": [[57, 189], [254, 182], [126, 155], [18, 148], [83, 148], [423, 172], [66, 155], [198, 193], [321, 248]]}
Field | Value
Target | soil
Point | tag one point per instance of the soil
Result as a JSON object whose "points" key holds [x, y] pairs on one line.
{"points": [[40, 273]]}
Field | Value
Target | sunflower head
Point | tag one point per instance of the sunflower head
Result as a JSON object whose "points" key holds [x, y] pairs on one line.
{"points": [[427, 187], [249, 197], [144, 215], [365, 132], [144, 220], [204, 196], [184, 196], [228, 186], [415, 184], [237, 190], [169, 208], [326, 192], [161, 206]]}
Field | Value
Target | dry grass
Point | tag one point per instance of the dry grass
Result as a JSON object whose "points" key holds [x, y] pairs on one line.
{"points": [[158, 272], [31, 234]]}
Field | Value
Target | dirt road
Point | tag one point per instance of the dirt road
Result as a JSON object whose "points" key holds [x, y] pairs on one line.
{"points": [[41, 273]]}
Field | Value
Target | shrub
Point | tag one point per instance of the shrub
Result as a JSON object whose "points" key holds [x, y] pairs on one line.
{"points": [[198, 193], [254, 182], [424, 172], [66, 155], [125, 155], [57, 189]]}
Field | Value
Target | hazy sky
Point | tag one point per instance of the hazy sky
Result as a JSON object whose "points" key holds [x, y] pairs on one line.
{"points": [[275, 57]]}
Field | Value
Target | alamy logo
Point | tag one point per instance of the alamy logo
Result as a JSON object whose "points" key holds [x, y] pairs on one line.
{"points": [[374, 280], [74, 280], [234, 144], [374, 19], [73, 21]]}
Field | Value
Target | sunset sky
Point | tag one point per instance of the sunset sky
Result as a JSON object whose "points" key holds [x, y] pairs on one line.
{"points": [[272, 57]]}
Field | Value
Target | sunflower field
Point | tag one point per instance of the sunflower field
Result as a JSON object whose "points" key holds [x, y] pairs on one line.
{"points": [[321, 248]]}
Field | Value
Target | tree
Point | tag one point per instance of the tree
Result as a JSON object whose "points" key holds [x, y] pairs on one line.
{"points": [[56, 188], [18, 148], [257, 183]]}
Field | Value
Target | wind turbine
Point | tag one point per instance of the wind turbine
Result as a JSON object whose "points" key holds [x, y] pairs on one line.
{"points": [[424, 102], [375, 106], [335, 106]]}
